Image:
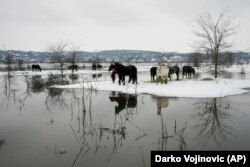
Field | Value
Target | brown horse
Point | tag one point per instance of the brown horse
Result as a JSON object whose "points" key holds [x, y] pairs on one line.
{"points": [[112, 68]]}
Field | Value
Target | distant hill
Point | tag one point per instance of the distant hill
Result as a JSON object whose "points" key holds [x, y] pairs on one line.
{"points": [[117, 55]]}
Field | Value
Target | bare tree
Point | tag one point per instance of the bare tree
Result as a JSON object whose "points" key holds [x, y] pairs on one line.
{"points": [[195, 58], [74, 53], [8, 61], [58, 54], [74, 56], [20, 64], [214, 34]]}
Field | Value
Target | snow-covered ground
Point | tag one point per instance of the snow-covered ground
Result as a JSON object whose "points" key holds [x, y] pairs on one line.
{"points": [[183, 88]]}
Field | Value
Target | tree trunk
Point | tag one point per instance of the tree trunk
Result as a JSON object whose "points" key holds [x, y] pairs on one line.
{"points": [[216, 63]]}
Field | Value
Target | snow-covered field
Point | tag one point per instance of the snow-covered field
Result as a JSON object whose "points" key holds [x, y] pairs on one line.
{"points": [[183, 88]]}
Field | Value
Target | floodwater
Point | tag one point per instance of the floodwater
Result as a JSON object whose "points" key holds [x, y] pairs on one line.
{"points": [[73, 127]]}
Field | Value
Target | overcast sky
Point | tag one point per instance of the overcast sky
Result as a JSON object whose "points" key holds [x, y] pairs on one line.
{"points": [[161, 25]]}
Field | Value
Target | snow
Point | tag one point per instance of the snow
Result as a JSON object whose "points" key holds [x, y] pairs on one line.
{"points": [[184, 88], [238, 68]]}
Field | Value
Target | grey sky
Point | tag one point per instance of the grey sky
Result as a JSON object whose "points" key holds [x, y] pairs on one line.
{"points": [[162, 25]]}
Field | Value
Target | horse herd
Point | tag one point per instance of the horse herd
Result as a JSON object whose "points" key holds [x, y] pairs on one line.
{"points": [[161, 72], [36, 67]]}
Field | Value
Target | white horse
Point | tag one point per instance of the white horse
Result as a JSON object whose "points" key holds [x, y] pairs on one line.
{"points": [[162, 73]]}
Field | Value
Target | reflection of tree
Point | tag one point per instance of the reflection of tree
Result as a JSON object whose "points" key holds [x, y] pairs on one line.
{"points": [[55, 99], [37, 84], [212, 125]]}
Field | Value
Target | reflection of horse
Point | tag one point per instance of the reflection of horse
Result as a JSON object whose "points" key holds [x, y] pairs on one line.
{"points": [[162, 102], [96, 76], [153, 73], [188, 71], [73, 77], [74, 67], [36, 67], [123, 100], [172, 70], [122, 71], [162, 73], [99, 66], [112, 68], [94, 67]]}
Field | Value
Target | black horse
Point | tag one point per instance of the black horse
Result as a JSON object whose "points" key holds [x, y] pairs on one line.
{"points": [[94, 67], [74, 67], [188, 71], [153, 73], [122, 71], [172, 70], [99, 66], [36, 67]]}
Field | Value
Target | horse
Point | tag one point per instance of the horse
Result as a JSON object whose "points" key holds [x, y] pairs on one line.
{"points": [[95, 76], [99, 66], [153, 73], [162, 73], [188, 71], [73, 67], [36, 67], [172, 70], [112, 68], [122, 71], [94, 67]]}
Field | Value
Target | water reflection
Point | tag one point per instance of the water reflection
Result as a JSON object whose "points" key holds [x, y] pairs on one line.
{"points": [[123, 100], [73, 77], [162, 102], [37, 84], [213, 126], [165, 136], [2, 142], [95, 76], [110, 134]]}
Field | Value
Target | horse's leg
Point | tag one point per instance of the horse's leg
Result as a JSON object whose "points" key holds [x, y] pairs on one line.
{"points": [[123, 78], [169, 76], [130, 78], [120, 79]]}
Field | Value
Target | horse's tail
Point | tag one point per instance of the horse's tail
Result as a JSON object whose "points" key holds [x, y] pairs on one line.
{"points": [[135, 74]]}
